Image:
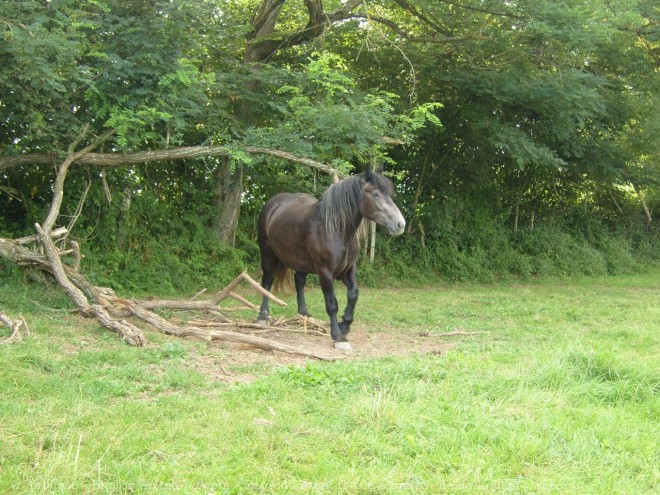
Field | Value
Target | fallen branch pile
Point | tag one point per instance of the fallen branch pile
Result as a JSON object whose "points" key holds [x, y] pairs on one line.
{"points": [[120, 315], [114, 312]]}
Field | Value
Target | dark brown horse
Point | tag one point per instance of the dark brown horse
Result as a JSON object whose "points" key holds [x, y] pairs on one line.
{"points": [[301, 233]]}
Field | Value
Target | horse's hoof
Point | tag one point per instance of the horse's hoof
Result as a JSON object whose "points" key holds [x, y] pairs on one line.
{"points": [[343, 346], [263, 323]]}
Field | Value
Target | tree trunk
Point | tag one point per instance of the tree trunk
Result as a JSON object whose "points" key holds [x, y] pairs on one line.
{"points": [[516, 212], [418, 193], [642, 201], [124, 220], [263, 42], [228, 193], [372, 249]]}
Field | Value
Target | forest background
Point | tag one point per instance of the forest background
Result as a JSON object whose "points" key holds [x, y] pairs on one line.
{"points": [[522, 135]]}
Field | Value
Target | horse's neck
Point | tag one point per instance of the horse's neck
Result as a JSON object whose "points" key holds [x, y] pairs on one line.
{"points": [[350, 228], [353, 227]]}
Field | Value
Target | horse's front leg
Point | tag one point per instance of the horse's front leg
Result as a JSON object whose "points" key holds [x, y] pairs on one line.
{"points": [[300, 279], [332, 307], [352, 296]]}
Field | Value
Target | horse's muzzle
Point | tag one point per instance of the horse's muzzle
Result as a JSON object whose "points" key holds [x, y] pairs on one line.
{"points": [[397, 228]]}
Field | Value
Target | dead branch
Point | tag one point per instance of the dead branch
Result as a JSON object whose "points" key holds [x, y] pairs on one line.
{"points": [[219, 316], [222, 294], [198, 294], [287, 329], [129, 332], [81, 203], [260, 289], [55, 234], [455, 333], [212, 304], [211, 324], [22, 256], [77, 257], [164, 326], [58, 189], [179, 305], [15, 326], [243, 301]]}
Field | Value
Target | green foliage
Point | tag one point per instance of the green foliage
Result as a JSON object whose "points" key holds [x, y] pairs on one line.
{"points": [[478, 249], [539, 109], [322, 112]]}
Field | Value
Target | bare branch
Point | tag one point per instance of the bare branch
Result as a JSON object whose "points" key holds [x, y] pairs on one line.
{"points": [[58, 190], [81, 203], [265, 42], [476, 9], [15, 326], [123, 159], [419, 39], [128, 331], [189, 331], [77, 256], [34, 238]]}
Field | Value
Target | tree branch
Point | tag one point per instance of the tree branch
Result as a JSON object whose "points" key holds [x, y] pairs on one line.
{"points": [[128, 331], [15, 326], [264, 42], [476, 9], [418, 39], [122, 159], [168, 328], [58, 190], [412, 10]]}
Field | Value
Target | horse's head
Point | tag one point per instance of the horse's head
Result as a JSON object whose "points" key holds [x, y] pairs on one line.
{"points": [[377, 204]]}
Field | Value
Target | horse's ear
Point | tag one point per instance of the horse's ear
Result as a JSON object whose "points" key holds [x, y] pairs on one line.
{"points": [[368, 174], [369, 171]]}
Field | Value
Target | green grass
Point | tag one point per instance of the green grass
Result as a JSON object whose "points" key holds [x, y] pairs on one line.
{"points": [[560, 395]]}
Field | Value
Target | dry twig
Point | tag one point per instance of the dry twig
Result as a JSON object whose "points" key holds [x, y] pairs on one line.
{"points": [[15, 326]]}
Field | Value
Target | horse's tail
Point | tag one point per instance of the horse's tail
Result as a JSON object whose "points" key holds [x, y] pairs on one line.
{"points": [[282, 278]]}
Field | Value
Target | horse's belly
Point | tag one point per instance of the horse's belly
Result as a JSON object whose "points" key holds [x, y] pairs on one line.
{"points": [[292, 252]]}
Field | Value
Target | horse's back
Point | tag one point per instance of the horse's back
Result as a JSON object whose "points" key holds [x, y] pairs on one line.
{"points": [[284, 211]]}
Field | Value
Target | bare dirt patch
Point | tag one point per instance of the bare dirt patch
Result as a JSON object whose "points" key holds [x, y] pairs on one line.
{"points": [[232, 362]]}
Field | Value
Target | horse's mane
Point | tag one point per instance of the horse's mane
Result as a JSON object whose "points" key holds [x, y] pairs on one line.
{"points": [[340, 201]]}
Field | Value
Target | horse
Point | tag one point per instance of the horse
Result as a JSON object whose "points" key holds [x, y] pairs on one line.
{"points": [[300, 233]]}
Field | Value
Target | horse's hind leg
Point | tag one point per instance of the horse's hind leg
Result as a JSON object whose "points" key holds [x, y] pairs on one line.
{"points": [[300, 279], [352, 296], [267, 262]]}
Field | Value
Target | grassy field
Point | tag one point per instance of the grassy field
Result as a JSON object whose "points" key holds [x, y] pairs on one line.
{"points": [[560, 394]]}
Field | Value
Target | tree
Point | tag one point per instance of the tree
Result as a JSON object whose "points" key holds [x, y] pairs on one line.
{"points": [[545, 108]]}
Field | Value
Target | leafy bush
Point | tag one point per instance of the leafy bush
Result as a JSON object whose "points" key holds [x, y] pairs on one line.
{"points": [[166, 268], [487, 251]]}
